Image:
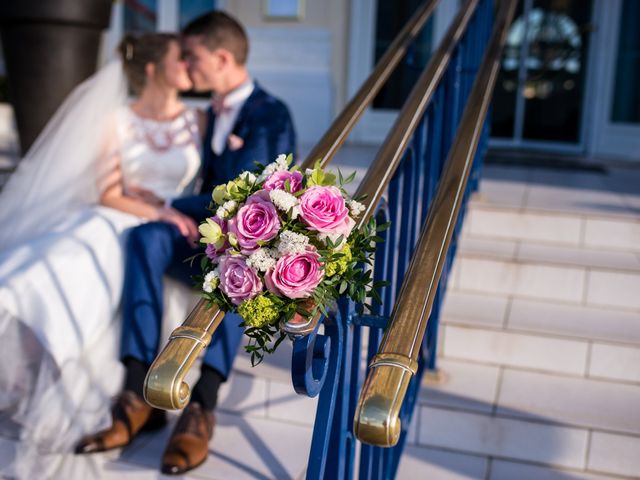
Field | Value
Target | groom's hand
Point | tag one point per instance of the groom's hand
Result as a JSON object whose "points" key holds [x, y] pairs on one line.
{"points": [[186, 225]]}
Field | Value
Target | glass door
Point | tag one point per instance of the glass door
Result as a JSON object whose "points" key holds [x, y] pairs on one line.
{"points": [[539, 95]]}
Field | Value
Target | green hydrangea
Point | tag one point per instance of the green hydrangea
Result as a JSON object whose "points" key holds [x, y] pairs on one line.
{"points": [[259, 311], [341, 264]]}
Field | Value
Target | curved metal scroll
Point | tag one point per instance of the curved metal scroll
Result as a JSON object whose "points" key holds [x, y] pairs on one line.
{"points": [[309, 362], [164, 386]]}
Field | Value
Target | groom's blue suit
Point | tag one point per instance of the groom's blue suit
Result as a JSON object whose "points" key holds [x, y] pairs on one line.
{"points": [[157, 248]]}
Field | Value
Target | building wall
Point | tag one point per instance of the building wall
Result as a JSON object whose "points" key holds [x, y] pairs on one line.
{"points": [[303, 61]]}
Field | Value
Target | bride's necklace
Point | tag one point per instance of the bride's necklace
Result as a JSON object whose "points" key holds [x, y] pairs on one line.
{"points": [[157, 134], [158, 141]]}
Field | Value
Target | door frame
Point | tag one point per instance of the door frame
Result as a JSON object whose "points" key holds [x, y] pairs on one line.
{"points": [[375, 124], [589, 96], [619, 140]]}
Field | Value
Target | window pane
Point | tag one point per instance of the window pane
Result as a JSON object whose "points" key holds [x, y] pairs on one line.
{"points": [[626, 96], [140, 15], [190, 9], [391, 17]]}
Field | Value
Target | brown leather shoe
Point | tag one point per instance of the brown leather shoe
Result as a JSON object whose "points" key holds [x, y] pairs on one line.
{"points": [[188, 445], [131, 415]]}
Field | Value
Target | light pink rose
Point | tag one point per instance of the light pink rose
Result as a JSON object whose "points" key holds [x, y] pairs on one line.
{"points": [[278, 179], [211, 251], [237, 280], [257, 220], [323, 209], [295, 275]]}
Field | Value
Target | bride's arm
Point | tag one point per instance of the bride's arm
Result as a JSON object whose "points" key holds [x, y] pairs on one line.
{"points": [[113, 196]]}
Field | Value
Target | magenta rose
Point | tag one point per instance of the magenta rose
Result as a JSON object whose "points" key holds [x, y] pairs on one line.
{"points": [[277, 180], [323, 209], [237, 280], [257, 220], [295, 275], [211, 251]]}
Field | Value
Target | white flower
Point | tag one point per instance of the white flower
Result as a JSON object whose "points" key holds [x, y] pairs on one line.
{"points": [[283, 200], [248, 177], [281, 162], [356, 208], [261, 260], [230, 205], [226, 209], [221, 213], [211, 281], [308, 172], [291, 242]]}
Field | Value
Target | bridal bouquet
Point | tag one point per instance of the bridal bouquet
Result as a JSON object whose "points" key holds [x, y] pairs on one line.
{"points": [[282, 242]]}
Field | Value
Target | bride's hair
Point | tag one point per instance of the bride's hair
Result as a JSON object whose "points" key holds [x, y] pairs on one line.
{"points": [[139, 50]]}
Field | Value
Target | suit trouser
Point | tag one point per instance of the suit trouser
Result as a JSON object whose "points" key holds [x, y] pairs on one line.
{"points": [[154, 249]]}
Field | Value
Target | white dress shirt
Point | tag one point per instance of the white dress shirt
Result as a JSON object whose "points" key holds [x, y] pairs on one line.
{"points": [[226, 118]]}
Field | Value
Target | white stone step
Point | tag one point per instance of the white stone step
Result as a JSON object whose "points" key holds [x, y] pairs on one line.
{"points": [[546, 254], [576, 229], [577, 285], [522, 315], [587, 426], [597, 360]]}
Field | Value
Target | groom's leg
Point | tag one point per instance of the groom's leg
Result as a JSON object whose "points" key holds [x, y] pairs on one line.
{"points": [[218, 361], [151, 249]]}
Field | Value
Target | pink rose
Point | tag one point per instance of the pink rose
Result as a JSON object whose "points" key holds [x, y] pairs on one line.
{"points": [[323, 209], [211, 251], [278, 179], [257, 220], [237, 280], [295, 275]]}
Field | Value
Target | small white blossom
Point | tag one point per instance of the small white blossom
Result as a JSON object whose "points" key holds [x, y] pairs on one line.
{"points": [[261, 260], [281, 162], [211, 281], [308, 172], [283, 200], [356, 208], [266, 173], [291, 242]]}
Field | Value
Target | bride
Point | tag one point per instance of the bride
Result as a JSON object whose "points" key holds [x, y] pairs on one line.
{"points": [[64, 215]]}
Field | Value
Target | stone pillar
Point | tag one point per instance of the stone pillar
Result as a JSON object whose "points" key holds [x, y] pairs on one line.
{"points": [[49, 46]]}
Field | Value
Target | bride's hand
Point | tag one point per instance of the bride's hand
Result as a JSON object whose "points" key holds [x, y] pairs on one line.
{"points": [[186, 225]]}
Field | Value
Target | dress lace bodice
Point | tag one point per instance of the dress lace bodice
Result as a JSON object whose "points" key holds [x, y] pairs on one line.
{"points": [[162, 157]]}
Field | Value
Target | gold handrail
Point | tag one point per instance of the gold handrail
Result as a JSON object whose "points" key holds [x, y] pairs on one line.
{"points": [[165, 386], [377, 419]]}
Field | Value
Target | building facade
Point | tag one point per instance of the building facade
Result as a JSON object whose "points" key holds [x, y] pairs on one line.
{"points": [[567, 82]]}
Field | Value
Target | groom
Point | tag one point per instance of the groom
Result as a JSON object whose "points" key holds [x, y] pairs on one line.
{"points": [[244, 124]]}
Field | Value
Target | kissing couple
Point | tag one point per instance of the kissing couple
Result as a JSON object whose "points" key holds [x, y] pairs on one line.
{"points": [[99, 212]]}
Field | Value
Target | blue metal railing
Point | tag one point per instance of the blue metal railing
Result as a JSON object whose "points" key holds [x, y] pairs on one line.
{"points": [[332, 363]]}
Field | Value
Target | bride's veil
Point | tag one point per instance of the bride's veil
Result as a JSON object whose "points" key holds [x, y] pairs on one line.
{"points": [[61, 171]]}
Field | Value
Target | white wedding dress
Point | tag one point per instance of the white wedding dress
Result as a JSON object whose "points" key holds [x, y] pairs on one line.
{"points": [[60, 292]]}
